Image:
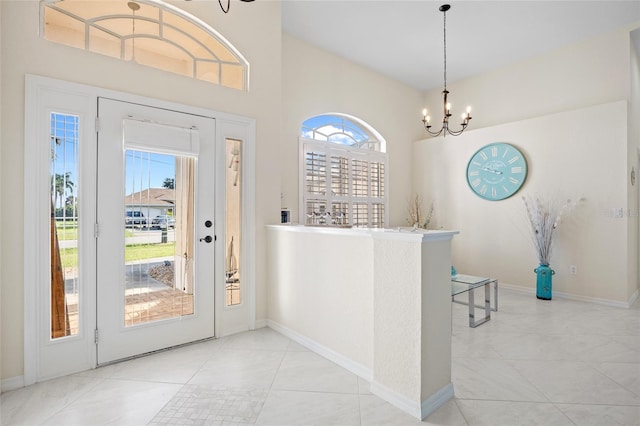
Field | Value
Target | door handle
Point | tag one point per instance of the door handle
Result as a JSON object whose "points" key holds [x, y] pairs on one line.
{"points": [[206, 239]]}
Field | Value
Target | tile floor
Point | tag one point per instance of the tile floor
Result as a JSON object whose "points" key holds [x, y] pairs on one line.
{"points": [[536, 362]]}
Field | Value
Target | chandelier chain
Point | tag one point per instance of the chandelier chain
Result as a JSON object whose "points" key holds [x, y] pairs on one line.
{"points": [[133, 40], [134, 7], [445, 50]]}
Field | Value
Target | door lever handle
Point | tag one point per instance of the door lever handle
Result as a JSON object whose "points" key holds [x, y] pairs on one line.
{"points": [[206, 239]]}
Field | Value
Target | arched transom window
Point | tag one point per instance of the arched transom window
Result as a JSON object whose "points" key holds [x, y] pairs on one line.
{"points": [[342, 173], [149, 32]]}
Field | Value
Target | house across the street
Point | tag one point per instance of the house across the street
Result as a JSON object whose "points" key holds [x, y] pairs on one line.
{"points": [[142, 206]]}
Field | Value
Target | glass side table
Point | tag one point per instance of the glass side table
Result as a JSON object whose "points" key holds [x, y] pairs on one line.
{"points": [[470, 279], [461, 283]]}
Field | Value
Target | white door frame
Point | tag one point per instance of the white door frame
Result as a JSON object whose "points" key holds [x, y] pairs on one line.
{"points": [[40, 93]]}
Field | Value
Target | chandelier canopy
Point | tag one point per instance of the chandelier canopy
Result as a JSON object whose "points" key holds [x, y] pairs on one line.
{"points": [[466, 116]]}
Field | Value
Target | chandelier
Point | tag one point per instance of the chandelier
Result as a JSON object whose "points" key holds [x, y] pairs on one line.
{"points": [[466, 116]]}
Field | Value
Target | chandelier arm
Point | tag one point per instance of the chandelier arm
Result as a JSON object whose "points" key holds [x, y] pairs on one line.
{"points": [[222, 7], [456, 132], [434, 134]]}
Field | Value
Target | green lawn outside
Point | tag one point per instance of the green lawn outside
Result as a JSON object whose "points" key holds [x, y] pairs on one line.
{"points": [[148, 251], [69, 231], [131, 253]]}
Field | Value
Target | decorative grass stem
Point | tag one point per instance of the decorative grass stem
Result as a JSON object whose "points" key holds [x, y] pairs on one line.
{"points": [[416, 218], [544, 218]]}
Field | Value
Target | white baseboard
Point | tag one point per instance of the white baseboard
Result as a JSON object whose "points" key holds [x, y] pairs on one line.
{"points": [[436, 400], [344, 362], [261, 323], [576, 297], [414, 408], [11, 384], [633, 299]]}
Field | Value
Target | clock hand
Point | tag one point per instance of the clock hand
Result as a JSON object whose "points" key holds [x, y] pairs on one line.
{"points": [[495, 172]]}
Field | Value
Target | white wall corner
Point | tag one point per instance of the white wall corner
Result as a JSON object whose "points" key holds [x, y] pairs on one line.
{"points": [[633, 299], [261, 323], [435, 401], [396, 399], [12, 383], [414, 408]]}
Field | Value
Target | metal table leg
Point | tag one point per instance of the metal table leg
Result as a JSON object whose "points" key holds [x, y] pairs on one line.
{"points": [[495, 297], [487, 306]]}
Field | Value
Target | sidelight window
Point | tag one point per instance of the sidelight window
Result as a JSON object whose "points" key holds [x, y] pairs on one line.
{"points": [[63, 230], [233, 219]]}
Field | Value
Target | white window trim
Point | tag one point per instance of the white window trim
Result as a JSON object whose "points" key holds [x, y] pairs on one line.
{"points": [[74, 352], [163, 6], [333, 149], [232, 320]]}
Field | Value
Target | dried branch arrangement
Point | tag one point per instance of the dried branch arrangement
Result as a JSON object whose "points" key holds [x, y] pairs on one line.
{"points": [[544, 218], [416, 218]]}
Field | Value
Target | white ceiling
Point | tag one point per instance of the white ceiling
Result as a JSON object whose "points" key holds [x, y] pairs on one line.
{"points": [[403, 39]]}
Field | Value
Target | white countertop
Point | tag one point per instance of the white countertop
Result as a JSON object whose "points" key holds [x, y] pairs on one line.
{"points": [[397, 233]]}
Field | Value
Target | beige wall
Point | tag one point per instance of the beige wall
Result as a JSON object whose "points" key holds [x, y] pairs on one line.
{"points": [[561, 110], [317, 82], [24, 52], [588, 73], [567, 157]]}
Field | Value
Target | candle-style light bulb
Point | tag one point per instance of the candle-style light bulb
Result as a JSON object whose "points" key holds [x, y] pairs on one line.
{"points": [[448, 107], [424, 112], [468, 110], [428, 119]]}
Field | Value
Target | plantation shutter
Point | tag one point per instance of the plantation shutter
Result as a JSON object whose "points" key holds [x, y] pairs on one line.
{"points": [[343, 186]]}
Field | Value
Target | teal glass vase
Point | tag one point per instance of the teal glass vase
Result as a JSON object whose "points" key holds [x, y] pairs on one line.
{"points": [[544, 281]]}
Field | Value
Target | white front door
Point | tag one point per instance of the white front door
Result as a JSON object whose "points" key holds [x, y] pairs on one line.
{"points": [[155, 244]]}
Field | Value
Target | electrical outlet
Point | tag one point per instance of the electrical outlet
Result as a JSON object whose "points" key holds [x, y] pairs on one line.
{"points": [[573, 270]]}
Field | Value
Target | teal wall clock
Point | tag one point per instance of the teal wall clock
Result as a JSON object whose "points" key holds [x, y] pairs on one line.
{"points": [[496, 171]]}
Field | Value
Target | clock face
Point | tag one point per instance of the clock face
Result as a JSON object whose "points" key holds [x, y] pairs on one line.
{"points": [[496, 171]]}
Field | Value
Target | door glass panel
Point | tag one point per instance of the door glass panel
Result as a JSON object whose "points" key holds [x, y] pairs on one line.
{"points": [[63, 228], [233, 220], [159, 236]]}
